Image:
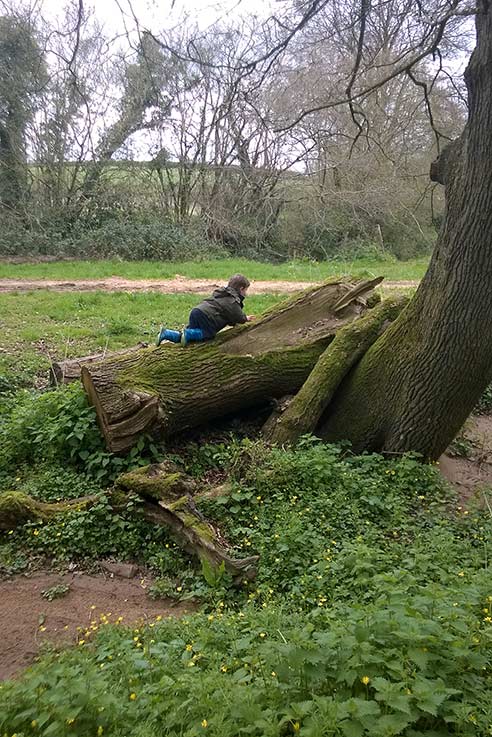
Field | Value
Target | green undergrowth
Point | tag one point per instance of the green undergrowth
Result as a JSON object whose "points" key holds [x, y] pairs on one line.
{"points": [[414, 662], [59, 427], [371, 612]]}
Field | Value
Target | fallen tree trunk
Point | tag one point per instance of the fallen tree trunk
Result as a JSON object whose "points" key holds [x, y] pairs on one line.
{"points": [[68, 370], [169, 498], [175, 388], [169, 501], [302, 413], [16, 508]]}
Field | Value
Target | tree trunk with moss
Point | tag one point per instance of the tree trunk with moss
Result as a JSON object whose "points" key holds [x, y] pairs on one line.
{"points": [[174, 388], [302, 413], [169, 497], [418, 383]]}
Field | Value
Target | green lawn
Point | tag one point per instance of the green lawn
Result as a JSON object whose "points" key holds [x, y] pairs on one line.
{"points": [[37, 327], [219, 270]]}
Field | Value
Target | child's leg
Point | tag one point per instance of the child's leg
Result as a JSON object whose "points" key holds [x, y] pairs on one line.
{"points": [[199, 328], [173, 335]]}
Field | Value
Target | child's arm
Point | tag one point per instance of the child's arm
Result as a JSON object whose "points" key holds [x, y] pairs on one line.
{"points": [[236, 315]]}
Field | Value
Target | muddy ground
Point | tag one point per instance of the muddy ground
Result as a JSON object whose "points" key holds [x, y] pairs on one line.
{"points": [[30, 621]]}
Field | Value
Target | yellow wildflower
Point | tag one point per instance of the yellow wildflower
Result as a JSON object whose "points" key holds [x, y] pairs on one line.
{"points": [[204, 723], [262, 634], [34, 723], [296, 726], [365, 680], [189, 648], [70, 722], [133, 696], [100, 730]]}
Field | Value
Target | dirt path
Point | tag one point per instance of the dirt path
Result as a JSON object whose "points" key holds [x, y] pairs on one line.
{"points": [[472, 472], [178, 285], [29, 620]]}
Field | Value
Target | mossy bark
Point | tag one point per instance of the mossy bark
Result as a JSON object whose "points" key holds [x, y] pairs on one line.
{"points": [[68, 370], [17, 508], [176, 388], [417, 384], [351, 342], [170, 499]]}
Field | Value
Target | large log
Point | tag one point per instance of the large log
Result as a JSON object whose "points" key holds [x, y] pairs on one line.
{"points": [[175, 388], [170, 499], [69, 369]]}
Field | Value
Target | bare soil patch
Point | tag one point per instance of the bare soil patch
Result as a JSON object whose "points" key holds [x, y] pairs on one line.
{"points": [[178, 285], [470, 473], [29, 620]]}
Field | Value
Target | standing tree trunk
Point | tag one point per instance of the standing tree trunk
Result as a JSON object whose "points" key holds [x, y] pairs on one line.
{"points": [[417, 384]]}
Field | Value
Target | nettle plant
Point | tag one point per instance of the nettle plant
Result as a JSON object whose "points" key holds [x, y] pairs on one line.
{"points": [[59, 426]]}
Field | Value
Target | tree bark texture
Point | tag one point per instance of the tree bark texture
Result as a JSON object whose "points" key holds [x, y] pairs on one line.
{"points": [[351, 342], [417, 384], [169, 497], [176, 388], [68, 370]]}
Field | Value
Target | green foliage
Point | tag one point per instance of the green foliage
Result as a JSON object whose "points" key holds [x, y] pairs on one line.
{"points": [[94, 533], [56, 592], [417, 663], [484, 406], [371, 614], [59, 426], [22, 76], [325, 523], [106, 237]]}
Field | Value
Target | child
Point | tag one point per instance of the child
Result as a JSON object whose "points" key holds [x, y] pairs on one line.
{"points": [[224, 307]]}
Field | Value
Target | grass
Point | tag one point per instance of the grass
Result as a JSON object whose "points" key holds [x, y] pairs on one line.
{"points": [[219, 270], [371, 615], [38, 327]]}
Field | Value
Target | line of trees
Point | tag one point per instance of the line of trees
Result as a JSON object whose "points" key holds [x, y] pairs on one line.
{"points": [[247, 149]]}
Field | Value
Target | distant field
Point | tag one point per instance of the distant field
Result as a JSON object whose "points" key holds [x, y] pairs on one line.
{"points": [[38, 327], [219, 270]]}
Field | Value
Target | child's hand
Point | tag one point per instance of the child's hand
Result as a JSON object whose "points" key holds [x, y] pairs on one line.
{"points": [[250, 317]]}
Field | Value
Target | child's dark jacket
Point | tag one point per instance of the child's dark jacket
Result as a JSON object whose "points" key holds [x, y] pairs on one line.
{"points": [[224, 307]]}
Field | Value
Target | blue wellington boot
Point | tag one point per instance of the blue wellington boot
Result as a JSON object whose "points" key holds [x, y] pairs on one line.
{"points": [[191, 335], [173, 335]]}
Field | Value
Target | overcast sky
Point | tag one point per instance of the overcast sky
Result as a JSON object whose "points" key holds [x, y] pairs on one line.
{"points": [[157, 14]]}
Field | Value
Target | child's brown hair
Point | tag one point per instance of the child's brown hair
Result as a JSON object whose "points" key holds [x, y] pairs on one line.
{"points": [[238, 281]]}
